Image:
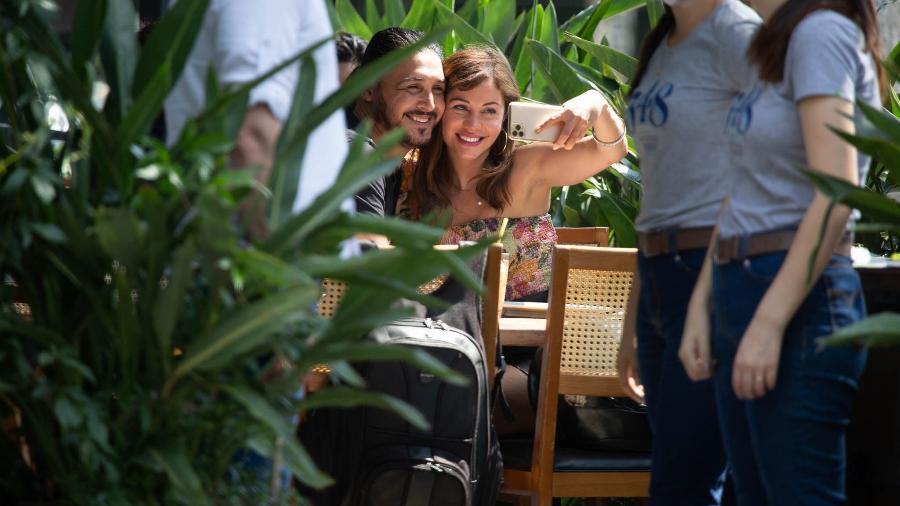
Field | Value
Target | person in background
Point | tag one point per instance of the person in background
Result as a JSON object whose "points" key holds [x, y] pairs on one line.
{"points": [[240, 41], [772, 286], [692, 66], [411, 96], [350, 50]]}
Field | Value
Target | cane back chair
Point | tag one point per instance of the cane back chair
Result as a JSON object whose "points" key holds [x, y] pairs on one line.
{"points": [[588, 296]]}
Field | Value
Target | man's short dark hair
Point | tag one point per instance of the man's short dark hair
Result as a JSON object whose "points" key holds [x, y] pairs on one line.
{"points": [[350, 48], [389, 39]]}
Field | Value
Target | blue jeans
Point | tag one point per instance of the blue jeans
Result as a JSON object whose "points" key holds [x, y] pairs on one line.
{"points": [[688, 459], [787, 448]]}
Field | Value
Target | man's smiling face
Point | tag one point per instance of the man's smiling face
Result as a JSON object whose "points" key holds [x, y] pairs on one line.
{"points": [[412, 97]]}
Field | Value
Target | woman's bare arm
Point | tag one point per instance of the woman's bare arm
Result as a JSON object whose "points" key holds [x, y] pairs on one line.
{"points": [[760, 348]]}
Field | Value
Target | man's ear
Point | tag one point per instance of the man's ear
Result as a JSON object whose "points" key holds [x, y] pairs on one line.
{"points": [[369, 94]]}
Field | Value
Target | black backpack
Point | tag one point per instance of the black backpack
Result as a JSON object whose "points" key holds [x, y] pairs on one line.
{"points": [[377, 459], [455, 463]]}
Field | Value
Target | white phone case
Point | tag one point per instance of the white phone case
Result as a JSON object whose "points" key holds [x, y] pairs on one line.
{"points": [[524, 117]]}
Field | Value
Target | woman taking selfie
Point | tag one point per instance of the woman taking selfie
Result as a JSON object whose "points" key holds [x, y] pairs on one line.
{"points": [[783, 402], [476, 172], [693, 65]]}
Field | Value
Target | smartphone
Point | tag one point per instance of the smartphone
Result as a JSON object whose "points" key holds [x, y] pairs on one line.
{"points": [[524, 117]]}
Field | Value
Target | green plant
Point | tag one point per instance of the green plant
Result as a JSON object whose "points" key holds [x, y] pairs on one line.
{"points": [[878, 134], [552, 62], [144, 341]]}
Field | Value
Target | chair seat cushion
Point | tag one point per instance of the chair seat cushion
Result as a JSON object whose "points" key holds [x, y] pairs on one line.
{"points": [[517, 455]]}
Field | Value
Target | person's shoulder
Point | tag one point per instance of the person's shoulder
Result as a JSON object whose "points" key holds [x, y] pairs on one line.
{"points": [[827, 24], [353, 135], [731, 15]]}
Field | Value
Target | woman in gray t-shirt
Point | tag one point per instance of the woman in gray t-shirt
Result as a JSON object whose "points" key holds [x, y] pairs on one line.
{"points": [[784, 403], [692, 67]]}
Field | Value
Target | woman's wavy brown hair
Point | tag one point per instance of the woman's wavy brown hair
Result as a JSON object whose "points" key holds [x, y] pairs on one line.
{"points": [[433, 176], [768, 50]]}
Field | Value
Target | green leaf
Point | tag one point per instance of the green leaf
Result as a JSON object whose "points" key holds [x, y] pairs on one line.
{"points": [[170, 300], [291, 146], [68, 415], [549, 34], [871, 204], [882, 119], [326, 205], [499, 20], [420, 15], [169, 43], [43, 189], [343, 397], [303, 466], [373, 17], [174, 461], [655, 11], [880, 330], [394, 12], [49, 232], [562, 80], [243, 330], [585, 23], [350, 20], [118, 52], [120, 235], [87, 27], [466, 32], [141, 114], [622, 63], [614, 208], [357, 350]]}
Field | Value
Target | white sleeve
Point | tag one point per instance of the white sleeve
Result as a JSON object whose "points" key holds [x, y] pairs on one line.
{"points": [[327, 147], [253, 37]]}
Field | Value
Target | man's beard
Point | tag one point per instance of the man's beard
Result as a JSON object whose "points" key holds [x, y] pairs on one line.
{"points": [[380, 117]]}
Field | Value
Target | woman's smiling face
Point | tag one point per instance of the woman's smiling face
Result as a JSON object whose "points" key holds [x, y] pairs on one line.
{"points": [[473, 120]]}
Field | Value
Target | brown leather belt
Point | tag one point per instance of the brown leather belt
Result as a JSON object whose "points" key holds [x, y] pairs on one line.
{"points": [[729, 250], [663, 242]]}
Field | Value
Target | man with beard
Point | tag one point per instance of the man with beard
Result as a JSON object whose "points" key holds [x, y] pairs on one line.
{"points": [[411, 96]]}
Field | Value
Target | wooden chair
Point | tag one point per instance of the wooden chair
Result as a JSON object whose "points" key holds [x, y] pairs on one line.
{"points": [[588, 296], [586, 236]]}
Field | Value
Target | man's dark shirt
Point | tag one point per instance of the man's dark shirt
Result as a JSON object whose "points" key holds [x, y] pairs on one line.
{"points": [[378, 198]]}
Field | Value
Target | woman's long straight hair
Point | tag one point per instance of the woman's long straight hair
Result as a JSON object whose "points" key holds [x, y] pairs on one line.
{"points": [[651, 41], [768, 50]]}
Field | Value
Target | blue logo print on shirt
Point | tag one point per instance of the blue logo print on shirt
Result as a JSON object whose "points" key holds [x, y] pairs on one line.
{"points": [[650, 106], [740, 115]]}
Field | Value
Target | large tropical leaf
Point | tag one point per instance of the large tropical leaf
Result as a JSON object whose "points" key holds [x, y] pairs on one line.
{"points": [[871, 204], [655, 11], [118, 51], [584, 24], [880, 330], [563, 82], [87, 28], [350, 20], [301, 463], [244, 330], [170, 42], [624, 64], [465, 32]]}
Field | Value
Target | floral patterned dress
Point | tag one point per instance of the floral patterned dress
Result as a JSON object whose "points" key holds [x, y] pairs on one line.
{"points": [[529, 241]]}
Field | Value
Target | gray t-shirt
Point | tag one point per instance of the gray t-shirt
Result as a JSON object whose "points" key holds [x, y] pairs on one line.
{"points": [[677, 116], [825, 57]]}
